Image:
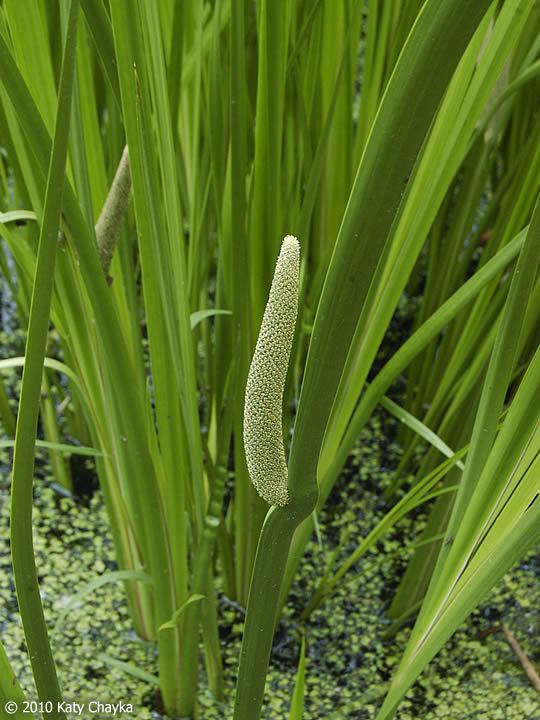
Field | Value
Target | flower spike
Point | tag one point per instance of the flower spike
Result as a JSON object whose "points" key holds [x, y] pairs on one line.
{"points": [[263, 431]]}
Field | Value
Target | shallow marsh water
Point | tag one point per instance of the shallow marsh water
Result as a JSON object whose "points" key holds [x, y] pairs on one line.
{"points": [[476, 676]]}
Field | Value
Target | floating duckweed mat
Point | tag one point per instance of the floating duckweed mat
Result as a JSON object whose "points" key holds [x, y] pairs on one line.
{"points": [[476, 677]]}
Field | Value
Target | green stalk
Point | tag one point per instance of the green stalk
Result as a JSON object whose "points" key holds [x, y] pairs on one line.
{"points": [[10, 690], [52, 434], [265, 455], [6, 413], [265, 223], [22, 551], [100, 27], [238, 280], [199, 586], [262, 609]]}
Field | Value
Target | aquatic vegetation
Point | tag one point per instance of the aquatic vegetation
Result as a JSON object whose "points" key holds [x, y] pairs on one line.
{"points": [[400, 143], [482, 668]]}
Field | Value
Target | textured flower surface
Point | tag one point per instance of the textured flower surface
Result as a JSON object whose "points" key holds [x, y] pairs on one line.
{"points": [[263, 432]]}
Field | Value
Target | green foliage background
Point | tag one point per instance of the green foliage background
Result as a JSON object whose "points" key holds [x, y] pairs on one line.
{"points": [[399, 142]]}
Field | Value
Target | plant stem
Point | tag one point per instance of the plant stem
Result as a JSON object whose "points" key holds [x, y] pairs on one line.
{"points": [[200, 586], [22, 549], [10, 689], [262, 611]]}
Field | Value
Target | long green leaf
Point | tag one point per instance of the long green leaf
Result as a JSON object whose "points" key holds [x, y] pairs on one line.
{"points": [[60, 447], [11, 693], [107, 578], [297, 705], [418, 427], [129, 669], [23, 462]]}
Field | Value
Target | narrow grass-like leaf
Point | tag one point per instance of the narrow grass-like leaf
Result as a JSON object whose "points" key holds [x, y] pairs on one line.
{"points": [[107, 578], [50, 363], [17, 215], [100, 27], [60, 447], [200, 315], [11, 693], [129, 669], [297, 705], [176, 618], [418, 427], [23, 462]]}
